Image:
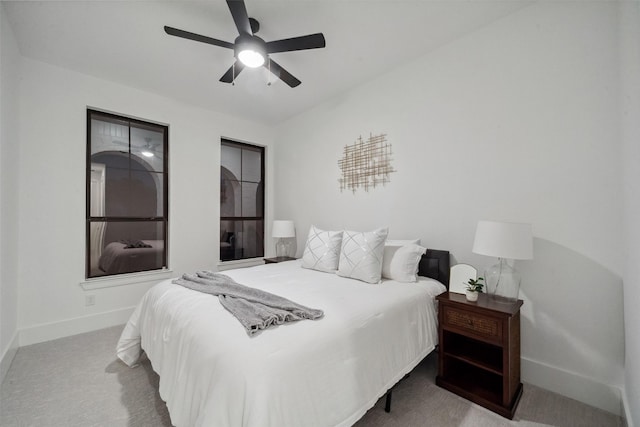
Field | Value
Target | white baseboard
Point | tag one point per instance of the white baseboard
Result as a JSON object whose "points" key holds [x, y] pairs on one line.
{"points": [[54, 330], [570, 384], [628, 421], [8, 355]]}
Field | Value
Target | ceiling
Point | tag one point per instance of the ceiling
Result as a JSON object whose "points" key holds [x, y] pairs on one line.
{"points": [[124, 42]]}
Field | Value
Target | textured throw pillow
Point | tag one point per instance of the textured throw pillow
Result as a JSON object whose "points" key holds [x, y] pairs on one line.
{"points": [[401, 262], [361, 255], [322, 250]]}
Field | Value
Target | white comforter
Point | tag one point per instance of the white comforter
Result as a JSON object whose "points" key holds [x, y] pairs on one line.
{"points": [[327, 372]]}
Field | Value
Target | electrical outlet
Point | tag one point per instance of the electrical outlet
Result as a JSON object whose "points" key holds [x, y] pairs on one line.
{"points": [[89, 300]]}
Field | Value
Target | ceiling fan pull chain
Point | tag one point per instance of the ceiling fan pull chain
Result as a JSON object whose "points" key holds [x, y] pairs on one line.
{"points": [[269, 76], [233, 74]]}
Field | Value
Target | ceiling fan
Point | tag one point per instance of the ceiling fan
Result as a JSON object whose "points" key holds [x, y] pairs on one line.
{"points": [[249, 49]]}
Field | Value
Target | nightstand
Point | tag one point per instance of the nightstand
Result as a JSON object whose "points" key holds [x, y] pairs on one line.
{"points": [[479, 351], [278, 259]]}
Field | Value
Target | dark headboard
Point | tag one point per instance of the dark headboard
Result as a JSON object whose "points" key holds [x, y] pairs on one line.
{"points": [[435, 264]]}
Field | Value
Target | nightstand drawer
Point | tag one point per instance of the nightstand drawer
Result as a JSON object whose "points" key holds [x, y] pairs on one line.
{"points": [[484, 326]]}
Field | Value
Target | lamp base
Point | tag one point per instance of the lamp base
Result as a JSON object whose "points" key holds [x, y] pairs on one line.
{"points": [[283, 248], [503, 282]]}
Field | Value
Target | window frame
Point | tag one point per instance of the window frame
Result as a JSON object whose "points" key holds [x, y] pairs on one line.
{"points": [[163, 219], [262, 150]]}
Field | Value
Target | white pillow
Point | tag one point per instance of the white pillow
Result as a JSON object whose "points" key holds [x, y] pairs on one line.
{"points": [[361, 255], [401, 262], [390, 248], [322, 250], [393, 242]]}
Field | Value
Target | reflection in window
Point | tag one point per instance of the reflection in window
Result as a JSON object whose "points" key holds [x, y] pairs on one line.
{"points": [[127, 202], [241, 201]]}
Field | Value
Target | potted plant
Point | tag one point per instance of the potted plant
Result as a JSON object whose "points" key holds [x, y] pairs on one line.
{"points": [[474, 286]]}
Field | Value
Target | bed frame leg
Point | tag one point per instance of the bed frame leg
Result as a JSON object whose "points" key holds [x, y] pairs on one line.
{"points": [[387, 405]]}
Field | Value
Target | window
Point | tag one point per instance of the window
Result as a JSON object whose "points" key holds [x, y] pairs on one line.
{"points": [[127, 203], [241, 201]]}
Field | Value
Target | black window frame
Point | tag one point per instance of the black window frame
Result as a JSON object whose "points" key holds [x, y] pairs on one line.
{"points": [[164, 219], [239, 219]]}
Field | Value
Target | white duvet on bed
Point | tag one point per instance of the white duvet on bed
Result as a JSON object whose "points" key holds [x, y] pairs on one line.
{"points": [[326, 372]]}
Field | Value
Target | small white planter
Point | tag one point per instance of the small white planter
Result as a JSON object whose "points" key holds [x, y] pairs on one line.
{"points": [[471, 295]]}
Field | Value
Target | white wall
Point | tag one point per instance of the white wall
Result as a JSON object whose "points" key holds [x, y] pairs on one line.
{"points": [[52, 189], [9, 101], [519, 122], [630, 107]]}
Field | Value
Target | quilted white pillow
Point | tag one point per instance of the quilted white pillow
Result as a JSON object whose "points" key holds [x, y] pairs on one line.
{"points": [[322, 250], [361, 255], [401, 262]]}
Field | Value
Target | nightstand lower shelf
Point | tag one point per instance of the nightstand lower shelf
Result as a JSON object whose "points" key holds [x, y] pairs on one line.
{"points": [[487, 397]]}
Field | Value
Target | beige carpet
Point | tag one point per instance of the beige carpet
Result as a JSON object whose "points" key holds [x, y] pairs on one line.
{"points": [[77, 382]]}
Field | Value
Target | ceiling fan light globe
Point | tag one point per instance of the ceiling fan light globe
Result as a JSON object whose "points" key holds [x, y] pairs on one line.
{"points": [[251, 58]]}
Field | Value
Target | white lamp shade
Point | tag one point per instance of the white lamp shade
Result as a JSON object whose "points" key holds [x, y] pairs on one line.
{"points": [[283, 229], [504, 240]]}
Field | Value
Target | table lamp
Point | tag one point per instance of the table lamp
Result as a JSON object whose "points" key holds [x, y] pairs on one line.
{"points": [[282, 230], [504, 240]]}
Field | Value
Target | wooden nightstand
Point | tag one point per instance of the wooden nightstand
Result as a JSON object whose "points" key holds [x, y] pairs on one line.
{"points": [[479, 351], [278, 259]]}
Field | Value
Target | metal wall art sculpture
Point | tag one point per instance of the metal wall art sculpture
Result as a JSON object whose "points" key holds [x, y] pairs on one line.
{"points": [[366, 164]]}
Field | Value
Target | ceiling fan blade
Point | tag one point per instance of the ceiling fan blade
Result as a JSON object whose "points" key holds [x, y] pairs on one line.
{"points": [[197, 37], [229, 77], [281, 73], [240, 17], [311, 41]]}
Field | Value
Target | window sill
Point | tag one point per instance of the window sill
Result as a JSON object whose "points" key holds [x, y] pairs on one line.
{"points": [[240, 263], [125, 279]]}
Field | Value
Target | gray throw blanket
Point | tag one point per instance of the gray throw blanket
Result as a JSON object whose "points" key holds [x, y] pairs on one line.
{"points": [[254, 308]]}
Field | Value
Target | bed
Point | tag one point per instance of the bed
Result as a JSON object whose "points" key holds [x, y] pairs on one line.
{"points": [[326, 372], [124, 257]]}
